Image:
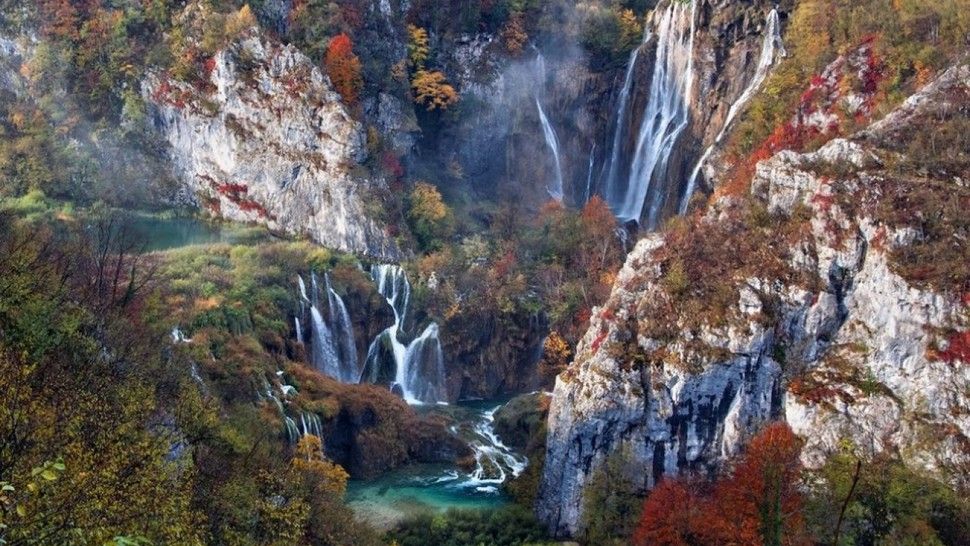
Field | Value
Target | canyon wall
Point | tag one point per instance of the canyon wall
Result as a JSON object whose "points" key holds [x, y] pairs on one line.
{"points": [[265, 139], [826, 323]]}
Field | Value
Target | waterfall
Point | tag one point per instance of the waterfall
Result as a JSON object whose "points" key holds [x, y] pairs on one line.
{"points": [[494, 461], [622, 105], [664, 119], [423, 372], [179, 337], [310, 424], [323, 349], [556, 191], [302, 285], [418, 366], [771, 48], [333, 349], [343, 331], [589, 175]]}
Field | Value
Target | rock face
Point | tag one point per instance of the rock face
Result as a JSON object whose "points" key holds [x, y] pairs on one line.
{"points": [[824, 323], [266, 139]]}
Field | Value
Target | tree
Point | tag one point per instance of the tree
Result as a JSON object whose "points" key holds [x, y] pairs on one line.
{"points": [[758, 503], [418, 48], [432, 90], [428, 215], [556, 355], [344, 68], [762, 496], [671, 516], [514, 36]]}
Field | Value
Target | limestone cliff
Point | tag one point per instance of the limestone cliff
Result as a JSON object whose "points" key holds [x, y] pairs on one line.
{"points": [[264, 138], [830, 294]]}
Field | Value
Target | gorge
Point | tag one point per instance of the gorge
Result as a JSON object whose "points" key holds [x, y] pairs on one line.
{"points": [[506, 272]]}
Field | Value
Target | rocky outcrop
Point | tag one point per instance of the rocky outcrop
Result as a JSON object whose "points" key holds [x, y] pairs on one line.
{"points": [[798, 300], [265, 139]]}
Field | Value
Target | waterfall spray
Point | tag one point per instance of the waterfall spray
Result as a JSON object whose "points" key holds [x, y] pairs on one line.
{"points": [[771, 48]]}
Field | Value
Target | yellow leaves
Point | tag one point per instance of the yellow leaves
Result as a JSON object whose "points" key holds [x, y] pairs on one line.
{"points": [[556, 355], [239, 22], [418, 48], [514, 36], [630, 28], [432, 90], [310, 461], [426, 203]]}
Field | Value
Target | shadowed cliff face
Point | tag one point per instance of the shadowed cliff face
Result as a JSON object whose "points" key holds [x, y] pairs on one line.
{"points": [[798, 299]]}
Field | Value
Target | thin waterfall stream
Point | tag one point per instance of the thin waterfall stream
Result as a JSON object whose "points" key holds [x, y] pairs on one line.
{"points": [[549, 133], [772, 47]]}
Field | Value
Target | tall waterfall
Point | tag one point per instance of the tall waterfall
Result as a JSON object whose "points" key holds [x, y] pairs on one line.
{"points": [[552, 141], [589, 175], [771, 48], [621, 121], [333, 346], [665, 118], [419, 365]]}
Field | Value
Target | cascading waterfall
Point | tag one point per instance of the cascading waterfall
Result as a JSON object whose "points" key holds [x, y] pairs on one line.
{"points": [[333, 349], [310, 424], [611, 183], [343, 331], [494, 461], [299, 329], [418, 366], [552, 141], [771, 48], [589, 175], [666, 116]]}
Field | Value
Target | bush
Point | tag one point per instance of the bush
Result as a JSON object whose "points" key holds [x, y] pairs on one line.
{"points": [[507, 526]]}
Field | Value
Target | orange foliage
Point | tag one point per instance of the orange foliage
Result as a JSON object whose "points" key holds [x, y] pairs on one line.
{"points": [[671, 516], [344, 68], [60, 19], [432, 89], [758, 504]]}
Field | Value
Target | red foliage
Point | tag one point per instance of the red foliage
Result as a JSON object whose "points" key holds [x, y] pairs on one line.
{"points": [[758, 503], [166, 93], [344, 68], [761, 501], [671, 516], [822, 96], [598, 341], [229, 189], [957, 349], [505, 265], [209, 66], [392, 165]]}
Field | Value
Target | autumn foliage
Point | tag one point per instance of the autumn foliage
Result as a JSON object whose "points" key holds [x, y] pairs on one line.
{"points": [[757, 503], [344, 68], [432, 90]]}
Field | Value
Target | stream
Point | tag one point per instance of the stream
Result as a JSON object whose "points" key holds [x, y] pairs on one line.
{"points": [[416, 489]]}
